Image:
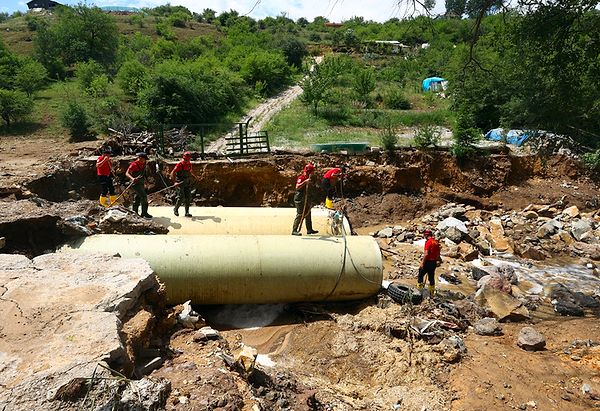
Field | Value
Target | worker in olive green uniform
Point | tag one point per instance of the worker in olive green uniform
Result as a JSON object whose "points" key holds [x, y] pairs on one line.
{"points": [[136, 172], [182, 176]]}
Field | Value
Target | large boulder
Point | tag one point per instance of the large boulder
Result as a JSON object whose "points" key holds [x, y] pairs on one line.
{"points": [[454, 234], [531, 340], [62, 315], [502, 305], [467, 252], [499, 240], [496, 281]]}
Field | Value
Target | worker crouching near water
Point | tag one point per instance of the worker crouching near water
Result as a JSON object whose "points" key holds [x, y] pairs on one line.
{"points": [[104, 170], [136, 172], [182, 176], [431, 256], [302, 203]]}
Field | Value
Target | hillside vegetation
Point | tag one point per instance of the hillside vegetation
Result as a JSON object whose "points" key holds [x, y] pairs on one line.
{"points": [[84, 71]]}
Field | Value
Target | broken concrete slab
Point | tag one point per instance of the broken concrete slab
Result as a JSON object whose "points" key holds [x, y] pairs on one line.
{"points": [[62, 317], [502, 305]]}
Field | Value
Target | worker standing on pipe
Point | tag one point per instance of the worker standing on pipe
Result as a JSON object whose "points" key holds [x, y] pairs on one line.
{"points": [[182, 175], [301, 202], [104, 170], [431, 256], [137, 174], [329, 184]]}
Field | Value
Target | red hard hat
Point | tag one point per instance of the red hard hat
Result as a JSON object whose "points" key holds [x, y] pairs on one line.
{"points": [[309, 168], [187, 154], [427, 232]]}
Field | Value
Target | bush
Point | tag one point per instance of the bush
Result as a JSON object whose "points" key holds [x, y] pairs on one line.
{"points": [[99, 86], [427, 136], [388, 138], [592, 160], [76, 120], [86, 73], [132, 77], [396, 100], [14, 105], [465, 136]]}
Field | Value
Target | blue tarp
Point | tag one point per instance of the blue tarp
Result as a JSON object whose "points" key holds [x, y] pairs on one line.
{"points": [[514, 137], [428, 81]]}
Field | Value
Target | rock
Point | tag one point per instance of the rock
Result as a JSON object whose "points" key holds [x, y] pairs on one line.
{"points": [[454, 234], [385, 233], [452, 222], [246, 358], [568, 308], [206, 333], [502, 305], [450, 278], [571, 212], [531, 340], [453, 348], [470, 310], [548, 228], [70, 328], [531, 215], [581, 227], [397, 230], [499, 241], [497, 282], [565, 237], [488, 326], [467, 252], [484, 247], [144, 394], [451, 252], [114, 215], [190, 318], [530, 252], [453, 212]]}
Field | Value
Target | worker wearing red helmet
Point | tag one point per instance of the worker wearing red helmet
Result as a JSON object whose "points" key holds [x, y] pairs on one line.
{"points": [[301, 202], [104, 170], [136, 172], [182, 175], [431, 256], [329, 183]]}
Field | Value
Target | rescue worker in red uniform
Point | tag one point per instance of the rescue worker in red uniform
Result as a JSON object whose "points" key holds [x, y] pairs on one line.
{"points": [[431, 256], [104, 170], [136, 172], [182, 175], [329, 184], [301, 202]]}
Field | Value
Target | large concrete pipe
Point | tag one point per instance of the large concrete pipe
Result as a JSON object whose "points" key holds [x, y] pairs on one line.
{"points": [[240, 220], [252, 269]]}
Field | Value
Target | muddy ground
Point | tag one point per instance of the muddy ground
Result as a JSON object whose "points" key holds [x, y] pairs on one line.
{"points": [[331, 356]]}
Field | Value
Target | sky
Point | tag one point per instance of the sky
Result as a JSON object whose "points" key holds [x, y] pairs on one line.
{"points": [[334, 10]]}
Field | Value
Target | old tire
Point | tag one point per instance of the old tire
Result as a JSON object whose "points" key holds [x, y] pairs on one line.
{"points": [[403, 294]]}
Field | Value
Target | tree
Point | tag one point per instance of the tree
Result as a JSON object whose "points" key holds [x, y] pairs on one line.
{"points": [[14, 105], [31, 76], [363, 84], [80, 33], [455, 8], [293, 49], [76, 120], [315, 86]]}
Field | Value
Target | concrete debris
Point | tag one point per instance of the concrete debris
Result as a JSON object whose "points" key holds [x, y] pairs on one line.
{"points": [[531, 340], [144, 394], [501, 304], [205, 334], [188, 317]]}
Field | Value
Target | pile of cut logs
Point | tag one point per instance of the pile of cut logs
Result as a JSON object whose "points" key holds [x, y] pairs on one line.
{"points": [[175, 140]]}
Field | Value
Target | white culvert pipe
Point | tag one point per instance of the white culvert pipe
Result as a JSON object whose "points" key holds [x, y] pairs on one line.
{"points": [[225, 269], [240, 220]]}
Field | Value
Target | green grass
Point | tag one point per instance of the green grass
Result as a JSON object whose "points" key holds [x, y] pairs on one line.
{"points": [[296, 126]]}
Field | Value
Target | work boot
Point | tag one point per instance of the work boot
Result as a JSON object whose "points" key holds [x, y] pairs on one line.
{"points": [[420, 286], [145, 211], [103, 201], [187, 212], [432, 291], [311, 231], [296, 233], [176, 211], [113, 200], [136, 207]]}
